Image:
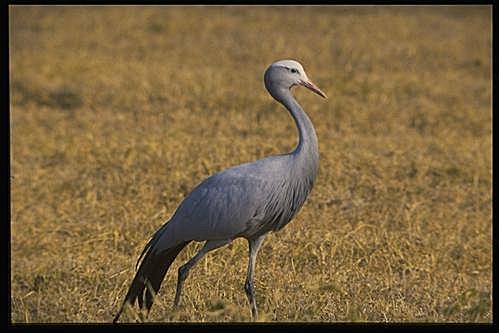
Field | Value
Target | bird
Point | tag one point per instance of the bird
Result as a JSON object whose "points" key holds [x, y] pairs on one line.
{"points": [[249, 201]]}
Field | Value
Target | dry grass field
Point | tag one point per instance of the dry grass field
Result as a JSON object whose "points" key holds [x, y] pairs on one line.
{"points": [[117, 113]]}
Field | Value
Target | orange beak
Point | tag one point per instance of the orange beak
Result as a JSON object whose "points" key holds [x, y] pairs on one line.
{"points": [[310, 85]]}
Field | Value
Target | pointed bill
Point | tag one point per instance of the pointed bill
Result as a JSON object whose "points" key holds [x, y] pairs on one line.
{"points": [[310, 85]]}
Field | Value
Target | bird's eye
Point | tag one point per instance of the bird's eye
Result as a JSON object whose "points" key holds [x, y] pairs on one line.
{"points": [[294, 70]]}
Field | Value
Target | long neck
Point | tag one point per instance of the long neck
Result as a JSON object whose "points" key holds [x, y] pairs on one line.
{"points": [[307, 150]]}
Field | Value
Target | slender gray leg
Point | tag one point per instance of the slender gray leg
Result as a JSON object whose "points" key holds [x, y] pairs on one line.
{"points": [[254, 246], [183, 271]]}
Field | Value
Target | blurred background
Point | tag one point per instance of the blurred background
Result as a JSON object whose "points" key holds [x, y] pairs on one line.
{"points": [[116, 113]]}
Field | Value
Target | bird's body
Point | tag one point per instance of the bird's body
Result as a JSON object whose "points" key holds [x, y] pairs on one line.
{"points": [[248, 200], [213, 209]]}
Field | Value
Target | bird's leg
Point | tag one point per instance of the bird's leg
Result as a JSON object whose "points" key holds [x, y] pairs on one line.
{"points": [[254, 246], [183, 271]]}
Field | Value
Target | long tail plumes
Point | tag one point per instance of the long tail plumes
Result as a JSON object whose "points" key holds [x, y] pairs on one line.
{"points": [[151, 272]]}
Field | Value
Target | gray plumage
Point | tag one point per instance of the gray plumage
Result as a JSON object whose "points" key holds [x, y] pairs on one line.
{"points": [[248, 200]]}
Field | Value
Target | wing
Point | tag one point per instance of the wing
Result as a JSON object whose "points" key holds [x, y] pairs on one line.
{"points": [[230, 203]]}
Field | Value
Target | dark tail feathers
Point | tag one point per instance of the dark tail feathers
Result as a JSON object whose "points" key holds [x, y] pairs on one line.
{"points": [[147, 280]]}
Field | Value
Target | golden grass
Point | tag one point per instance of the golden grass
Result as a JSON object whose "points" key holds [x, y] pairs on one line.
{"points": [[116, 113]]}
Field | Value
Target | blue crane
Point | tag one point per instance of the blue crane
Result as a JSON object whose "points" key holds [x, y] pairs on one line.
{"points": [[248, 200]]}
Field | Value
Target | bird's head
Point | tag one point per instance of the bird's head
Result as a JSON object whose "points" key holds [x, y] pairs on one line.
{"points": [[284, 74]]}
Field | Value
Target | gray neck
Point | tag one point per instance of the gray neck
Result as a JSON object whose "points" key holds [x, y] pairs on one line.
{"points": [[307, 151]]}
